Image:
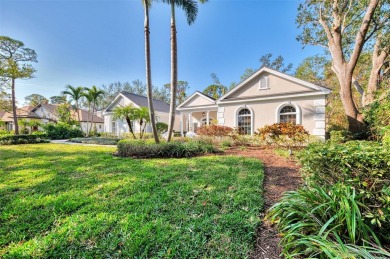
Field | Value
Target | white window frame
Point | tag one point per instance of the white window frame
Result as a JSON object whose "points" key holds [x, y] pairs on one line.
{"points": [[266, 80], [252, 117], [298, 112]]}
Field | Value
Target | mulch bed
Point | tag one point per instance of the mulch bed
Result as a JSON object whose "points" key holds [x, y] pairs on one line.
{"points": [[281, 175]]}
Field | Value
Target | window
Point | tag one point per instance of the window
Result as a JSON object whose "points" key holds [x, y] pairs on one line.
{"points": [[100, 126], [264, 83], [288, 114], [244, 121], [114, 126], [203, 122]]}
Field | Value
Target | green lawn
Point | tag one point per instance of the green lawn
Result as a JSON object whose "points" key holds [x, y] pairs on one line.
{"points": [[78, 201]]}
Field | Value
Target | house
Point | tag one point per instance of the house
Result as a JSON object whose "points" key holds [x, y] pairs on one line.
{"points": [[119, 126], [264, 98], [46, 113]]}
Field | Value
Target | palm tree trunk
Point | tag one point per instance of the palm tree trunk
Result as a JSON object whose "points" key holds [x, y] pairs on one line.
{"points": [[16, 126], [130, 127], [149, 74], [93, 112], [78, 115], [173, 72]]}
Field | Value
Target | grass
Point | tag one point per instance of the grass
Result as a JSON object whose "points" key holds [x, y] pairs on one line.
{"points": [[78, 201]]}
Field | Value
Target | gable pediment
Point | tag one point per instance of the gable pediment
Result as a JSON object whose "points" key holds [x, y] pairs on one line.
{"points": [[274, 84], [197, 100]]}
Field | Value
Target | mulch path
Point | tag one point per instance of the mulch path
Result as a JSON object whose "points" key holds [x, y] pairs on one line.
{"points": [[281, 175]]}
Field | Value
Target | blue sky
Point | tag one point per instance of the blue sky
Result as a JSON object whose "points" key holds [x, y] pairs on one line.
{"points": [[95, 42]]}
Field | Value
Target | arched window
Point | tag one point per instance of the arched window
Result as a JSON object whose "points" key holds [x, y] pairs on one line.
{"points": [[244, 121], [288, 114]]}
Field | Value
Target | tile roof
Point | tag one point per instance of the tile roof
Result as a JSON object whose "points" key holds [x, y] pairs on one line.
{"points": [[86, 116], [142, 101]]}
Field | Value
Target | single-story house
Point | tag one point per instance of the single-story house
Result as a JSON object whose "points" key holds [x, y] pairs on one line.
{"points": [[264, 98], [119, 126], [46, 113]]}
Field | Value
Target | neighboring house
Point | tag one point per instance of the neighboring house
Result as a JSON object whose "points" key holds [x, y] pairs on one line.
{"points": [[118, 126], [266, 97], [46, 113], [49, 112]]}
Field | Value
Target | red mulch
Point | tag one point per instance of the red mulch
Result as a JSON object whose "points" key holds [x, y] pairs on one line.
{"points": [[281, 175]]}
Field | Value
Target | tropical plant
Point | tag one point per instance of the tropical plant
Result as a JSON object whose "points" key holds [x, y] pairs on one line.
{"points": [[190, 8], [149, 86], [161, 127], [127, 113], [14, 59], [142, 115], [75, 93], [92, 95], [33, 124], [24, 123]]}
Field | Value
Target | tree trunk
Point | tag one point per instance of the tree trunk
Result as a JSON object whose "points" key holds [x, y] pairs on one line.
{"points": [[149, 74], [93, 112], [78, 115], [14, 114], [355, 119], [173, 73], [130, 127]]}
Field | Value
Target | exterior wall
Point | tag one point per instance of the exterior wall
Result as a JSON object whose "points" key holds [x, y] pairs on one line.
{"points": [[85, 126], [44, 113], [198, 101], [277, 85], [266, 112]]}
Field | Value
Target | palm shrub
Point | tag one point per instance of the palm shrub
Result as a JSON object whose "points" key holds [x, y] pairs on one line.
{"points": [[317, 222]]}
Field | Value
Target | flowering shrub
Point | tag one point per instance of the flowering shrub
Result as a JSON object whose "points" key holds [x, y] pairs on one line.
{"points": [[214, 131], [284, 134]]}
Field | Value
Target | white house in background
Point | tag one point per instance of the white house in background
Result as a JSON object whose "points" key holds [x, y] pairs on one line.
{"points": [[264, 98], [118, 126], [47, 113]]}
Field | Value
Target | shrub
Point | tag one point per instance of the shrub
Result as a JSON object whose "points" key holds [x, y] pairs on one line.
{"points": [[377, 115], [340, 136], [287, 135], [62, 131], [22, 139], [5, 132], [98, 141], [145, 149], [214, 131], [161, 127], [362, 165], [324, 223], [385, 132]]}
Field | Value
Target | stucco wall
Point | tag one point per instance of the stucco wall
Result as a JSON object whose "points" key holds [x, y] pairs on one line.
{"points": [[265, 113], [277, 85], [197, 100]]}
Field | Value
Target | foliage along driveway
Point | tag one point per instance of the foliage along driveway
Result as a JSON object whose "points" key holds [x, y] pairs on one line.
{"points": [[78, 201]]}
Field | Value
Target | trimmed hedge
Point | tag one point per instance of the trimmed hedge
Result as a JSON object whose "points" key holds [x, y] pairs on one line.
{"points": [[147, 149], [23, 139], [62, 131]]}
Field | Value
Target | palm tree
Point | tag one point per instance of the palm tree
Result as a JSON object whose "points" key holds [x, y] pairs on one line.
{"points": [[92, 95], [190, 8], [147, 4], [128, 113], [143, 116], [75, 93]]}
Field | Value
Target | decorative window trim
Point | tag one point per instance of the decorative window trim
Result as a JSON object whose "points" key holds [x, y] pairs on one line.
{"points": [[297, 109], [252, 117], [266, 80]]}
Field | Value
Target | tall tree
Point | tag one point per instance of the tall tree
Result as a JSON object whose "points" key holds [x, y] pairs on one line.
{"points": [[15, 64], [148, 70], [93, 96], [57, 99], [190, 8], [127, 113], [5, 101], [35, 99], [75, 94], [344, 28], [216, 89], [181, 92]]}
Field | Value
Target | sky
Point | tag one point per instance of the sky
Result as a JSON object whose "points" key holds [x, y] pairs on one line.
{"points": [[95, 42]]}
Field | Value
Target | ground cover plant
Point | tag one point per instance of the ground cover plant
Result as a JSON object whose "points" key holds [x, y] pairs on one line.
{"points": [[344, 208], [77, 201], [96, 140]]}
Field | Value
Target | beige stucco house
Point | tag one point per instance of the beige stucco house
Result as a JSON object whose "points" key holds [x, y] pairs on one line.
{"points": [[119, 126], [266, 97]]}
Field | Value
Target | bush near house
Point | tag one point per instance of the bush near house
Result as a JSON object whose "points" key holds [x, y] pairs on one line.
{"points": [[286, 135], [23, 139], [148, 149], [214, 131], [62, 131], [345, 206]]}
